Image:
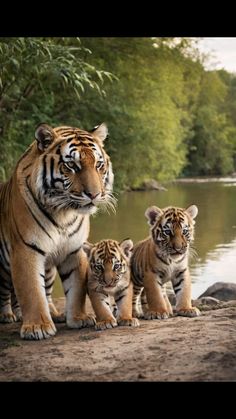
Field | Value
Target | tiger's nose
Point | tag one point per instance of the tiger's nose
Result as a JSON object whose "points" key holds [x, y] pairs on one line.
{"points": [[178, 249], [91, 196]]}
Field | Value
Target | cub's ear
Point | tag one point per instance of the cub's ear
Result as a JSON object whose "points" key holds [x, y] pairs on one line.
{"points": [[152, 214], [87, 247], [192, 211], [127, 247], [101, 132], [44, 135]]}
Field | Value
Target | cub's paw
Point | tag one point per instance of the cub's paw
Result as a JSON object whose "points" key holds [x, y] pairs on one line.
{"points": [[7, 318], [18, 315], [106, 324], [151, 315], [189, 312], [128, 322], [59, 318], [78, 322], [138, 314], [34, 331]]}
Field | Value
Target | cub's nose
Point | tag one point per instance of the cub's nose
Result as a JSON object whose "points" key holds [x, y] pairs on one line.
{"points": [[91, 196]]}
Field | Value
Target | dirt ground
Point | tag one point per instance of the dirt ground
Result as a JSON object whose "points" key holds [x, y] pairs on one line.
{"points": [[176, 349]]}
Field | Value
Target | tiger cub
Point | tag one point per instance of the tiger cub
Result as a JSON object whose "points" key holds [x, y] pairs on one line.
{"points": [[163, 257], [109, 276]]}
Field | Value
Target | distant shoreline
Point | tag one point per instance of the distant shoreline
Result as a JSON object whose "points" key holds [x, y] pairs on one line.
{"points": [[227, 179]]}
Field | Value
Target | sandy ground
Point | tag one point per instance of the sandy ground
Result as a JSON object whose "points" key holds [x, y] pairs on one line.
{"points": [[176, 349]]}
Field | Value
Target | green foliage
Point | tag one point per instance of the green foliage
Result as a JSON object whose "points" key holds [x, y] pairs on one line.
{"points": [[167, 116], [147, 110], [35, 75], [212, 147]]}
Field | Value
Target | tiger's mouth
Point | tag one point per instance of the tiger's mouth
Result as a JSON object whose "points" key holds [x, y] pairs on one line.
{"points": [[109, 286], [176, 253], [89, 205]]}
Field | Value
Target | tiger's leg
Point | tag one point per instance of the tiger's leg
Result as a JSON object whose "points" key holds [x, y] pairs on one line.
{"points": [[157, 308], [113, 306], [123, 300], [6, 313], [74, 280], [182, 289], [28, 280], [16, 307], [136, 302], [50, 273], [167, 301], [102, 309], [143, 301]]}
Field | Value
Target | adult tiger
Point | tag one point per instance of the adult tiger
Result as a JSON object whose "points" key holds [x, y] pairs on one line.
{"points": [[44, 220], [163, 257]]}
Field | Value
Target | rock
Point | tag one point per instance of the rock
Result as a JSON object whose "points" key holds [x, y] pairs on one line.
{"points": [[223, 291], [149, 185], [205, 301]]}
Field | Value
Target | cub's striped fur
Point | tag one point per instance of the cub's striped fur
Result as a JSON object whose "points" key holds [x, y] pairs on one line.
{"points": [[163, 257], [109, 276], [44, 220]]}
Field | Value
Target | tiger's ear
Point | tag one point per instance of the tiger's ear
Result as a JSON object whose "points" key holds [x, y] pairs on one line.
{"points": [[192, 211], [152, 214], [44, 135], [87, 247], [127, 247], [101, 132]]}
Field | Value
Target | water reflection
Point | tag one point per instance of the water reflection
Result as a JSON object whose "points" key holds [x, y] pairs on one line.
{"points": [[215, 237]]}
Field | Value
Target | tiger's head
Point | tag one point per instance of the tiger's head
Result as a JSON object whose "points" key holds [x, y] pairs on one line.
{"points": [[172, 228], [108, 263], [71, 169]]}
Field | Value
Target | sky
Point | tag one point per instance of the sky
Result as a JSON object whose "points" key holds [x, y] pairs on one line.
{"points": [[223, 52]]}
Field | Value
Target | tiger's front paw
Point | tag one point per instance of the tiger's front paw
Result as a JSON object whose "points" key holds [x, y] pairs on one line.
{"points": [[78, 322], [152, 315], [37, 331], [106, 324], [128, 322], [189, 312]]}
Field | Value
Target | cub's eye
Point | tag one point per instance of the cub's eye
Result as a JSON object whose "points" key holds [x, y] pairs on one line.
{"points": [[99, 165], [185, 230], [117, 266], [167, 230], [98, 267]]}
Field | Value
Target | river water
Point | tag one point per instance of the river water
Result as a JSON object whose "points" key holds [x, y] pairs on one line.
{"points": [[215, 228]]}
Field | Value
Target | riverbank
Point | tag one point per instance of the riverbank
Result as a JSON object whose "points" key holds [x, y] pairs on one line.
{"points": [[176, 349], [228, 179]]}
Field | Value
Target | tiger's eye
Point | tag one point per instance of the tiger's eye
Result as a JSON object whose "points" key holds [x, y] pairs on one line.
{"points": [[99, 165], [167, 231], [98, 267], [117, 266]]}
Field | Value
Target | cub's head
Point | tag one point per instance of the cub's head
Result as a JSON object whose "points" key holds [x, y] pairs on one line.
{"points": [[71, 168], [172, 228], [108, 261]]}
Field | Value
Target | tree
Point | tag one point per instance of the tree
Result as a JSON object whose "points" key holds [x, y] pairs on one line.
{"points": [[35, 74]]}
